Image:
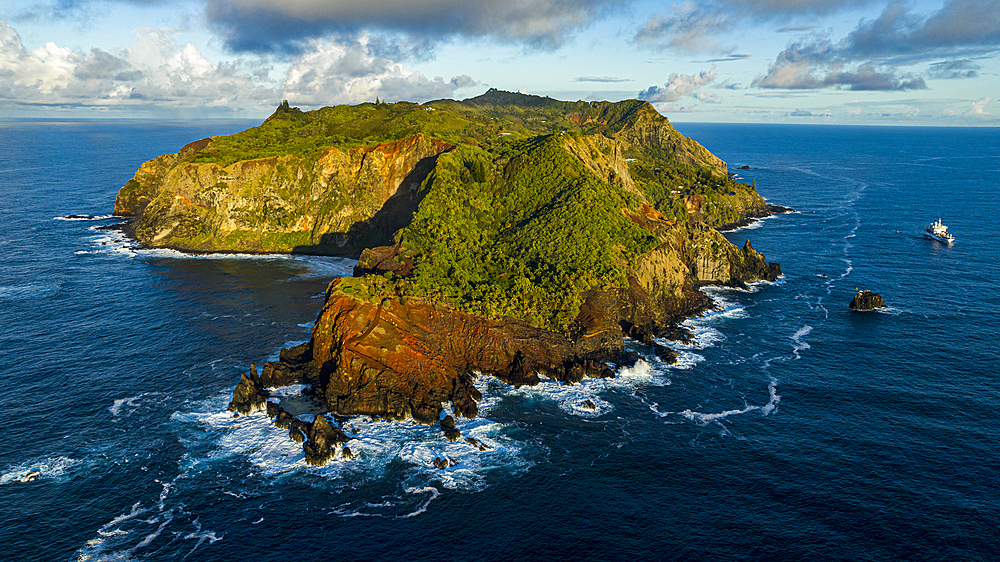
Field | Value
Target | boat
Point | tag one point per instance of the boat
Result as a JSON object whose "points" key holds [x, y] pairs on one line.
{"points": [[939, 232]]}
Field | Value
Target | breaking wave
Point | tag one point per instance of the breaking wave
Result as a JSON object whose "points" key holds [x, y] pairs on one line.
{"points": [[47, 468]]}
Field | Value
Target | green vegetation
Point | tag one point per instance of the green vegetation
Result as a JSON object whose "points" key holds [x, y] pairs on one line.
{"points": [[509, 222], [523, 235]]}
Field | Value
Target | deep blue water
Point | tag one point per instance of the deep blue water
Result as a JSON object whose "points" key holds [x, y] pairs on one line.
{"points": [[793, 429]]}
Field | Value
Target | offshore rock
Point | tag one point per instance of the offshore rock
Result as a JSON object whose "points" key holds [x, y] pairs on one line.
{"points": [[449, 430], [477, 443], [322, 441], [249, 395], [866, 300]]}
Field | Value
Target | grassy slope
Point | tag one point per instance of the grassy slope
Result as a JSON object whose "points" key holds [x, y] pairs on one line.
{"points": [[510, 223], [520, 236]]}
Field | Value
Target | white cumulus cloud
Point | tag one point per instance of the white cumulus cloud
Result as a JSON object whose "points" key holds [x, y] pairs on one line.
{"points": [[156, 72], [678, 86], [978, 107]]}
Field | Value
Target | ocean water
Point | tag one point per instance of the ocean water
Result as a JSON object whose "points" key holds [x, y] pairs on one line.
{"points": [[790, 429]]}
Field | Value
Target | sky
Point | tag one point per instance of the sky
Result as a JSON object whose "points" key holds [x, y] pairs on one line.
{"points": [[922, 62]]}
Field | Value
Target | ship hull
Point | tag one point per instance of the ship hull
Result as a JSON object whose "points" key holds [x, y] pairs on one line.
{"points": [[938, 238]]}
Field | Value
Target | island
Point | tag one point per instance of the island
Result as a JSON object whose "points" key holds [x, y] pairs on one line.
{"points": [[510, 235]]}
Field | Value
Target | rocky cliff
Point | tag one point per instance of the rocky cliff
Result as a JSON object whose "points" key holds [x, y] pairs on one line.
{"points": [[338, 180], [328, 202], [509, 235], [379, 352]]}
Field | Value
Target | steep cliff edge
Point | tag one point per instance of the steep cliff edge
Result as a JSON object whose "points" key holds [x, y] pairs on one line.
{"points": [[341, 179], [325, 201], [507, 234], [535, 261]]}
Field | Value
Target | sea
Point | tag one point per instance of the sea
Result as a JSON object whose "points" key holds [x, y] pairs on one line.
{"points": [[791, 428]]}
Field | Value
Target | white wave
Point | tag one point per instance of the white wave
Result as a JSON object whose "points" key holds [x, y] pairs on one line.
{"points": [[110, 242], [888, 310], [180, 255], [702, 328], [130, 402], [705, 418], [797, 343], [773, 398], [389, 508], [253, 437], [202, 536], [850, 267], [423, 507], [687, 360], [315, 266], [32, 290], [581, 399], [47, 467], [467, 464], [84, 217], [145, 524], [754, 225], [374, 443]]}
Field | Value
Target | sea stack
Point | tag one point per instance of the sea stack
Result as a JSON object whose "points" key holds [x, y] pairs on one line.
{"points": [[866, 300]]}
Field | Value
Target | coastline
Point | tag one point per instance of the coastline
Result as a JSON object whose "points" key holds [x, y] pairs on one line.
{"points": [[749, 219]]}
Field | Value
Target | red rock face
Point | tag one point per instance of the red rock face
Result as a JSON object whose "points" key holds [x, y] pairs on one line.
{"points": [[395, 359]]}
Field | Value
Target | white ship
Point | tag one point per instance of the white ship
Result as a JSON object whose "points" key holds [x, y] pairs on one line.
{"points": [[939, 232]]}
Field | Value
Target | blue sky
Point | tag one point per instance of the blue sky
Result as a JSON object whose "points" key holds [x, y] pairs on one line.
{"points": [[797, 61]]}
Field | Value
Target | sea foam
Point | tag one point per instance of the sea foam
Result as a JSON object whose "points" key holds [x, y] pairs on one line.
{"points": [[48, 467]]}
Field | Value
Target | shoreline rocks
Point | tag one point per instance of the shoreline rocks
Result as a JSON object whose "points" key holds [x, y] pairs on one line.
{"points": [[388, 356]]}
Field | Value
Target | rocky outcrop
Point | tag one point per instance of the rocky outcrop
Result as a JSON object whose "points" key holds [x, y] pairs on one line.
{"points": [[250, 394], [337, 203], [654, 130], [605, 157], [528, 250], [379, 354], [400, 358], [866, 300]]}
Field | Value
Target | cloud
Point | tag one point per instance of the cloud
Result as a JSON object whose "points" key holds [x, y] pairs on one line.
{"points": [[688, 28], [954, 69], [978, 107], [729, 58], [810, 71], [156, 72], [795, 29], [801, 113], [607, 79], [330, 73], [865, 77], [870, 56], [707, 97], [697, 27], [287, 26], [678, 86]]}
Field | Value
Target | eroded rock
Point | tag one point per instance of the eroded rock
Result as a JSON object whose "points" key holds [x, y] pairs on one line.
{"points": [[322, 441], [866, 300], [249, 395]]}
